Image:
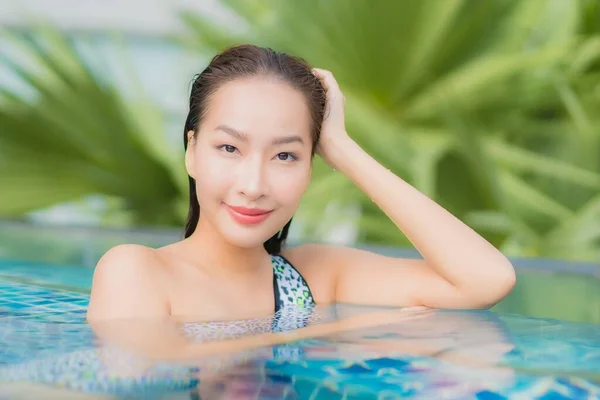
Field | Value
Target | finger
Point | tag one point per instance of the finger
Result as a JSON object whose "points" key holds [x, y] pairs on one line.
{"points": [[326, 78], [319, 73]]}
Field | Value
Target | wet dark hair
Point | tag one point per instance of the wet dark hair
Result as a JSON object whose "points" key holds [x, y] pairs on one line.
{"points": [[246, 61]]}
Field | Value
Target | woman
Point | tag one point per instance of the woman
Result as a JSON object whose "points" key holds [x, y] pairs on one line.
{"points": [[256, 119]]}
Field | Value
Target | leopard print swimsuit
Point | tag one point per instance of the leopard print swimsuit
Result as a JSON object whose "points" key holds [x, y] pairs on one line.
{"points": [[289, 286], [294, 308]]}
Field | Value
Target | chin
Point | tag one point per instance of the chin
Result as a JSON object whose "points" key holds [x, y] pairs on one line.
{"points": [[246, 240]]}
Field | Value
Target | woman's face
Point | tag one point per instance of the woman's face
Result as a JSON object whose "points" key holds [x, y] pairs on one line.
{"points": [[251, 159]]}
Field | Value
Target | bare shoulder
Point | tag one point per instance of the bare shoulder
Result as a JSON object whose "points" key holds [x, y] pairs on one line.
{"points": [[128, 261], [128, 252], [126, 283]]}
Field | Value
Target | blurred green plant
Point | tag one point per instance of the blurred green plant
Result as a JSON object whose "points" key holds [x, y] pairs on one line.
{"points": [[68, 132], [486, 107]]}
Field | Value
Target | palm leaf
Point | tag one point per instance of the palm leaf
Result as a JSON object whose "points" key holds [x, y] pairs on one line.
{"points": [[523, 160], [453, 97], [531, 199], [78, 131], [487, 107], [467, 85]]}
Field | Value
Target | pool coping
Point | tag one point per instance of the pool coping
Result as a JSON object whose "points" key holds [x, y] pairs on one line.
{"points": [[88, 253], [520, 264]]}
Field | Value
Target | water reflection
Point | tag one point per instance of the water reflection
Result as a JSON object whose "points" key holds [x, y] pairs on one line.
{"points": [[433, 348], [335, 351], [249, 381]]}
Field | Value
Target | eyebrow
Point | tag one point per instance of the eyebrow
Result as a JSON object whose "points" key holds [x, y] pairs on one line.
{"points": [[244, 137]]}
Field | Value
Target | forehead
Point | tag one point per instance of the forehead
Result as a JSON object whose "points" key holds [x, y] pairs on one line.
{"points": [[260, 106]]}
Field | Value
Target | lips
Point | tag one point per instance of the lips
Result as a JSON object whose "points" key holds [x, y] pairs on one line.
{"points": [[248, 216]]}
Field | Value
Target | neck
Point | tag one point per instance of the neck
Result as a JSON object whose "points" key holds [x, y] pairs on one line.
{"points": [[220, 258]]}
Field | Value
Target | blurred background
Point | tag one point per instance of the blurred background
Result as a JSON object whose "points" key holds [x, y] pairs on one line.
{"points": [[489, 107]]}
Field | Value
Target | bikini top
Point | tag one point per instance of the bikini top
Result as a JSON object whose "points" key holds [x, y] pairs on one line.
{"points": [[294, 308], [289, 286]]}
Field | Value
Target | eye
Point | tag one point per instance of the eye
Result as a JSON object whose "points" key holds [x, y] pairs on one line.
{"points": [[228, 148], [285, 156]]}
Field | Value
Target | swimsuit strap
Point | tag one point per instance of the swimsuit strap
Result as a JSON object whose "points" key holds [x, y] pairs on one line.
{"points": [[289, 286]]}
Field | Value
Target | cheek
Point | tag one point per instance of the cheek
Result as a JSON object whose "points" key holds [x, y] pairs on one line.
{"points": [[212, 179], [292, 185]]}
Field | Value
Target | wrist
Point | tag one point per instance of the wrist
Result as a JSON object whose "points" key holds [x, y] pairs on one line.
{"points": [[338, 150]]}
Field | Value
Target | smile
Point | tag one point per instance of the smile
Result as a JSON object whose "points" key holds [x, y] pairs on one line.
{"points": [[248, 216]]}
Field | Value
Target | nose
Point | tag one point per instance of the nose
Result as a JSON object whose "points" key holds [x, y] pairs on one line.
{"points": [[252, 179]]}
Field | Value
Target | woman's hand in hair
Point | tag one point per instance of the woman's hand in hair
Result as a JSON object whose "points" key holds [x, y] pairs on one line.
{"points": [[333, 139], [459, 269]]}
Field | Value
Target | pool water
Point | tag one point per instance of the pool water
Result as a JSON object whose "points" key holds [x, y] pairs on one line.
{"points": [[49, 350]]}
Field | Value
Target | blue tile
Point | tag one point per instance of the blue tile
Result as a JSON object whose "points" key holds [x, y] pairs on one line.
{"points": [[14, 305], [552, 395], [355, 369], [55, 306], [575, 391], [64, 298], [278, 378], [70, 306], [40, 301], [325, 393], [487, 395], [10, 296], [38, 292], [25, 296], [47, 296], [43, 302], [386, 362]]}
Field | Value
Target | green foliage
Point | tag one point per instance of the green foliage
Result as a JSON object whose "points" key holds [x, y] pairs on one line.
{"points": [[486, 107], [70, 133]]}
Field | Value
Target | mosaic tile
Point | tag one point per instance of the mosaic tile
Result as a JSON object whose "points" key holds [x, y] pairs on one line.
{"points": [[47, 341]]}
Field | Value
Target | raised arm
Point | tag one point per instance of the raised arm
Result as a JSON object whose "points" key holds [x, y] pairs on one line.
{"points": [[460, 268]]}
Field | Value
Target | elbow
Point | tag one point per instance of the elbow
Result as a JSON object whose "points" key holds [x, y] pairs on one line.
{"points": [[511, 278], [507, 279], [501, 285], [495, 287]]}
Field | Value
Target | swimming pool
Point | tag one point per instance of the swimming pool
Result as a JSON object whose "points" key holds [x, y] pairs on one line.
{"points": [[545, 288], [49, 350]]}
